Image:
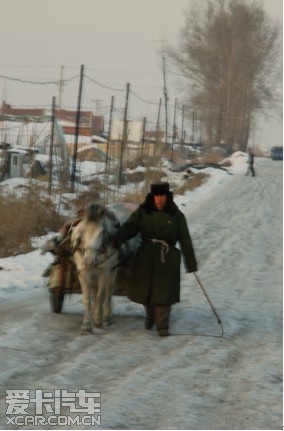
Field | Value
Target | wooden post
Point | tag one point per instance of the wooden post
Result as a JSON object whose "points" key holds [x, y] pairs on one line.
{"points": [[124, 136], [61, 87], [109, 132], [166, 101], [174, 126], [51, 146], [158, 122], [107, 162], [193, 125], [143, 136], [75, 149], [182, 125]]}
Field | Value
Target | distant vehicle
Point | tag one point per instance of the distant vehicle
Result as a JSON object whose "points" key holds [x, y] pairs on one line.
{"points": [[276, 153]]}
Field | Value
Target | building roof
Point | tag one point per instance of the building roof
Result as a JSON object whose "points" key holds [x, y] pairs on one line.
{"points": [[8, 110], [87, 119], [70, 116], [89, 124]]}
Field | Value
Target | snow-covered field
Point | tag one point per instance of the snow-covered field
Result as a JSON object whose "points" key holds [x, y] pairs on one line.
{"points": [[192, 379]]}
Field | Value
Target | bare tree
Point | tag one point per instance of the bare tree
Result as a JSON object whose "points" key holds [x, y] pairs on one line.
{"points": [[229, 58]]}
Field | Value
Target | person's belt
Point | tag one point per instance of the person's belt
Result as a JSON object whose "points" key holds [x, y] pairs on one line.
{"points": [[164, 246]]}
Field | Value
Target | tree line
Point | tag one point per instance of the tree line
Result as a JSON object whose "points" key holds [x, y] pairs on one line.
{"points": [[228, 62]]}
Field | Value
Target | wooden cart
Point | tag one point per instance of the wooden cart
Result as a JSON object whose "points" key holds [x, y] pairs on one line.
{"points": [[62, 280], [62, 274]]}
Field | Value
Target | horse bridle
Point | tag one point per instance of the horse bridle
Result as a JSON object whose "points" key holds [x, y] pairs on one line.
{"points": [[98, 251], [95, 263]]}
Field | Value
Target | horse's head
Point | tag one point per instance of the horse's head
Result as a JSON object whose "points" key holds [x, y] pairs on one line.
{"points": [[94, 213], [94, 231]]}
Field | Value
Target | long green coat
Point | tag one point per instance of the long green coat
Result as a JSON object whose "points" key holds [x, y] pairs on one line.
{"points": [[154, 282]]}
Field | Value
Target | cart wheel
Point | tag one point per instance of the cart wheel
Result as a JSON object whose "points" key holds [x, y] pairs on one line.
{"points": [[56, 301]]}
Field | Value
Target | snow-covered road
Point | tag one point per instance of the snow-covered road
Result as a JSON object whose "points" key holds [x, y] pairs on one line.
{"points": [[191, 380]]}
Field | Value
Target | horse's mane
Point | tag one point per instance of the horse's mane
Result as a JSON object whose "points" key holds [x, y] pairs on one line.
{"points": [[94, 212]]}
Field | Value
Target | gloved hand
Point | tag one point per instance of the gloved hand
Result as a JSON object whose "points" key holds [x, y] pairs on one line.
{"points": [[190, 270]]}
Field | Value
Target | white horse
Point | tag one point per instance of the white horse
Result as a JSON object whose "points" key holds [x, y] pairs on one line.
{"points": [[96, 260]]}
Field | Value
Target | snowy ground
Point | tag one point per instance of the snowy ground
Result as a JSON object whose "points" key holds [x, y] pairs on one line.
{"points": [[191, 380]]}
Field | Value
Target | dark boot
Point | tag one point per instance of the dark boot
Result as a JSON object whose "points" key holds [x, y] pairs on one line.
{"points": [[150, 316], [162, 318], [163, 333]]}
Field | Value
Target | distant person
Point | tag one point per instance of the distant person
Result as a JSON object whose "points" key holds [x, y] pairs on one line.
{"points": [[250, 170], [155, 280]]}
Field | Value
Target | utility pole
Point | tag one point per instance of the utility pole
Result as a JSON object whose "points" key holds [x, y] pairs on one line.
{"points": [[158, 121], [157, 128], [109, 133], [166, 100], [107, 162], [174, 126], [75, 149], [193, 125], [124, 136], [61, 86], [143, 135], [51, 145], [182, 125]]}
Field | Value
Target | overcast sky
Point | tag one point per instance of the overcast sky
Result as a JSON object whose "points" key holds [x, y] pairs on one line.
{"points": [[118, 41]]}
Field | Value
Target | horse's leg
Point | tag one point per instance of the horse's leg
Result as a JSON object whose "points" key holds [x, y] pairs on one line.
{"points": [[94, 294], [86, 299], [107, 308], [100, 297]]}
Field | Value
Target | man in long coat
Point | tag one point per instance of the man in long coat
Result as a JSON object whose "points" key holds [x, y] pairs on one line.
{"points": [[155, 280]]}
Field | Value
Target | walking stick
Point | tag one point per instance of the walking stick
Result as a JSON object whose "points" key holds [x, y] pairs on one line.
{"points": [[211, 305]]}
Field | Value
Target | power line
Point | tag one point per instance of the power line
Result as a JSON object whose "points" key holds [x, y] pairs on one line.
{"points": [[23, 81], [109, 87], [63, 81], [103, 85], [143, 100]]}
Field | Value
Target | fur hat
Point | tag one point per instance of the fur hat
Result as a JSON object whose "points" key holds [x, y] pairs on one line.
{"points": [[160, 189]]}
